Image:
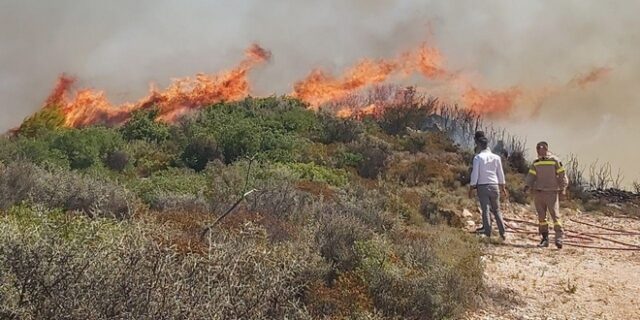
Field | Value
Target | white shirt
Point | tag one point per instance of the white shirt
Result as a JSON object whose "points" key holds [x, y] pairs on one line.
{"points": [[487, 169]]}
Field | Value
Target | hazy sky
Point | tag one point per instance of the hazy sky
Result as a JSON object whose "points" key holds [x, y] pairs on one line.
{"points": [[122, 46]]}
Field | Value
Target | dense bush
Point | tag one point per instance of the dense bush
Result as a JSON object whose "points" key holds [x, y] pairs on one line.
{"points": [[35, 150], [313, 172], [272, 128], [439, 205], [42, 122], [86, 147], [52, 266], [428, 142], [175, 183], [333, 129], [337, 237], [149, 158], [25, 182], [439, 272], [199, 152], [374, 154], [412, 114], [143, 126], [117, 160], [422, 169]]}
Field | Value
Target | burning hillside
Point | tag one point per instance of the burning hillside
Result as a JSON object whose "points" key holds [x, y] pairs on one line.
{"points": [[87, 106], [319, 87], [342, 93]]}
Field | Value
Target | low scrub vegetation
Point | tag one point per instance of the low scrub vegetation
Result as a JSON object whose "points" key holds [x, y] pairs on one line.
{"points": [[332, 218]]}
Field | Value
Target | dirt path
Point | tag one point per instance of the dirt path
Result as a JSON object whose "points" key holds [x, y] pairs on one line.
{"points": [[525, 282]]}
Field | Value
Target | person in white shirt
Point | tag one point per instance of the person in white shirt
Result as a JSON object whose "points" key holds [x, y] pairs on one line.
{"points": [[487, 177]]}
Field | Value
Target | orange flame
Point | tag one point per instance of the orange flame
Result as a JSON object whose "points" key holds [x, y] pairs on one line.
{"points": [[429, 62], [494, 102], [319, 87], [341, 94], [92, 107], [57, 95]]}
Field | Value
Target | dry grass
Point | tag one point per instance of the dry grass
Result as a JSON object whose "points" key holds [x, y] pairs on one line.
{"points": [[106, 270]]}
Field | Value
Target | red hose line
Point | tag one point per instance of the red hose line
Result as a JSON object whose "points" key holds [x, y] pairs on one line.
{"points": [[521, 221], [605, 228], [584, 236], [573, 244], [617, 242]]}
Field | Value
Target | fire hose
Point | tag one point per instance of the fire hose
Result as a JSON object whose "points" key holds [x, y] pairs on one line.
{"points": [[581, 239]]}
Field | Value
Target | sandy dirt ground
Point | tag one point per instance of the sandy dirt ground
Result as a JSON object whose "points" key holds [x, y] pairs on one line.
{"points": [[526, 282]]}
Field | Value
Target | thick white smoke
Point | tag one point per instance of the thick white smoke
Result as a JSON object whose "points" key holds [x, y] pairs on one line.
{"points": [[121, 46]]}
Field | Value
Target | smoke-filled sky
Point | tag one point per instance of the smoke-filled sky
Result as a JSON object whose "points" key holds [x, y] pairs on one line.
{"points": [[122, 46]]}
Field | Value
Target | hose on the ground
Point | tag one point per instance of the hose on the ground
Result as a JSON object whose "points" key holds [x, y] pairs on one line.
{"points": [[585, 239]]}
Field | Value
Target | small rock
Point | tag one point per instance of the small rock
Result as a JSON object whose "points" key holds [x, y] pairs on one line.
{"points": [[466, 213], [471, 223]]}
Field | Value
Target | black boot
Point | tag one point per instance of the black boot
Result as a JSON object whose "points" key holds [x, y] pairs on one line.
{"points": [[559, 243], [544, 242]]}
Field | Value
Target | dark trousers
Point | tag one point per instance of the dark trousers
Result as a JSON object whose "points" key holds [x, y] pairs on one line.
{"points": [[489, 196]]}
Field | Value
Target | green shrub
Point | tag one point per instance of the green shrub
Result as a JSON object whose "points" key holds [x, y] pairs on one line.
{"points": [[42, 122], [173, 182], [349, 159], [238, 140], [333, 129], [117, 160], [199, 152], [281, 147], [436, 273], [86, 147], [337, 237], [314, 172], [271, 128], [148, 158], [371, 207], [428, 142], [61, 189], [143, 126], [375, 153], [36, 150]]}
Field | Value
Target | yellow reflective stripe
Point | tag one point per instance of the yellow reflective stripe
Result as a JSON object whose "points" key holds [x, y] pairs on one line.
{"points": [[560, 170], [558, 223], [543, 223], [545, 163], [533, 172]]}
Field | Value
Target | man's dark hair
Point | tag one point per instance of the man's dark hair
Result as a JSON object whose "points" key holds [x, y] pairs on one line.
{"points": [[542, 143], [478, 135], [482, 142]]}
